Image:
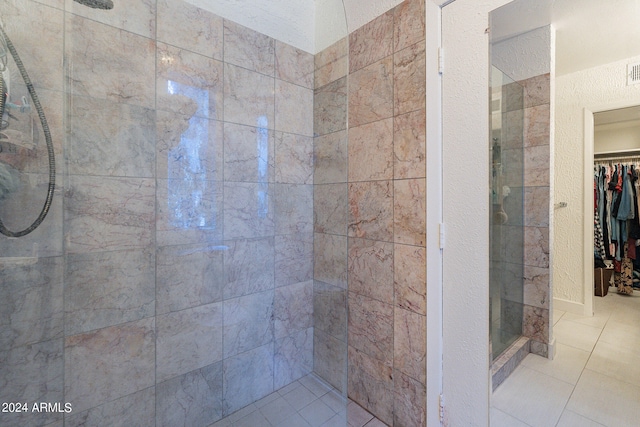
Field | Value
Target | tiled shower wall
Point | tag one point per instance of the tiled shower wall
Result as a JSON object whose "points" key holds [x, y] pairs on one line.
{"points": [[172, 282], [369, 217]]}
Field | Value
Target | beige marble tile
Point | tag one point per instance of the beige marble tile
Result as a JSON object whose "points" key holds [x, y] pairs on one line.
{"points": [[409, 213], [371, 151], [293, 357], [536, 286], [187, 26], [293, 206], [331, 72], [410, 278], [536, 246], [248, 97], [409, 26], [330, 310], [513, 129], [248, 322], [294, 65], [409, 79], [330, 259], [536, 206], [370, 327], [118, 67], [330, 108], [293, 159], [409, 344], [244, 277], [330, 209], [248, 154], [330, 359], [537, 126], [330, 155], [332, 53], [371, 210], [371, 269], [293, 259], [410, 145], [371, 384], [248, 377], [410, 403], [537, 90], [248, 210], [248, 48], [371, 42], [138, 17], [109, 363], [535, 323], [294, 108], [293, 309], [371, 93], [188, 83]]}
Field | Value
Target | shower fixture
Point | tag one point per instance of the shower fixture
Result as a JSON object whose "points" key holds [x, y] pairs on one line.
{"points": [[97, 4]]}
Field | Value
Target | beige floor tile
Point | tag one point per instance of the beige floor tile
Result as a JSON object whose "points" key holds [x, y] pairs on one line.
{"points": [[571, 419], [501, 419], [576, 335], [566, 366], [615, 361]]}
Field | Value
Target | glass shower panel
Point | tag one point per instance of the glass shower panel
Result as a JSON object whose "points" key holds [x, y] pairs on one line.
{"points": [[507, 210]]}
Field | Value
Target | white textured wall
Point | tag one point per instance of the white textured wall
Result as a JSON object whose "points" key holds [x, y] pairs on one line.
{"points": [[616, 137], [595, 88], [525, 55]]}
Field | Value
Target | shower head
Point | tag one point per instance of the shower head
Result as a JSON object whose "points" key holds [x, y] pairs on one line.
{"points": [[97, 4]]}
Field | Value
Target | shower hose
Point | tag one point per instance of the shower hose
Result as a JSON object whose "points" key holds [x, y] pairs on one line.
{"points": [[47, 135]]}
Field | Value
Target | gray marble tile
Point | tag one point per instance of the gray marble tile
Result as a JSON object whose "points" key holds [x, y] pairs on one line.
{"points": [[184, 25], [109, 363], [330, 158], [293, 357], [371, 266], [371, 93], [248, 97], [408, 23], [188, 83], [330, 108], [371, 384], [32, 373], [330, 209], [247, 377], [31, 304], [248, 48], [371, 210], [193, 399], [293, 159], [330, 259], [330, 310], [410, 401], [330, 359], [293, 258], [106, 214], [293, 309], [108, 288], [188, 276], [187, 340], [249, 153], [137, 409], [370, 327], [137, 17], [248, 210], [118, 67], [294, 65], [293, 206], [248, 322], [109, 138], [294, 108], [248, 266]]}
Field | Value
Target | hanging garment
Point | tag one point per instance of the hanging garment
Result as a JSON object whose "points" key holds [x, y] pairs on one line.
{"points": [[624, 279], [597, 237]]}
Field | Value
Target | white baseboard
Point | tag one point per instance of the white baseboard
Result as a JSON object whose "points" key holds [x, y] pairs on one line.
{"points": [[570, 306]]}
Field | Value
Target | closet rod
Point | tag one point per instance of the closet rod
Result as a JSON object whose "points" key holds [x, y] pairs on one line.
{"points": [[613, 155]]}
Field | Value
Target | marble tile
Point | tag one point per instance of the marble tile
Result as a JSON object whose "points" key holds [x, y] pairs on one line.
{"points": [[330, 359], [188, 83], [193, 399], [410, 278], [294, 65], [410, 401], [537, 125], [316, 413], [31, 302], [137, 409], [106, 214], [513, 129], [32, 373], [409, 79], [293, 357], [138, 17], [118, 67], [536, 166], [247, 377], [248, 48], [371, 210], [331, 72], [330, 158], [330, 310], [249, 153], [248, 97], [536, 246], [330, 209], [276, 411], [357, 415], [409, 344], [184, 25], [371, 267], [371, 151], [293, 258], [188, 276], [320, 388], [330, 108], [537, 90], [513, 96], [293, 159], [370, 327], [293, 205], [408, 23], [330, 259], [567, 364], [107, 138], [293, 309], [371, 93], [108, 288], [248, 210], [371, 42], [536, 286], [410, 211], [409, 145], [187, 340], [248, 266], [332, 53], [294, 108], [42, 60], [189, 211], [514, 172], [109, 363], [248, 322], [371, 384]]}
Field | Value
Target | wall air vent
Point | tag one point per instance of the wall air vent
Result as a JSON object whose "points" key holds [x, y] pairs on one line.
{"points": [[633, 74]]}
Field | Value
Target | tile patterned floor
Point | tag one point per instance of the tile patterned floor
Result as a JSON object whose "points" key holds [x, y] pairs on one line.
{"points": [[594, 379], [308, 402]]}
